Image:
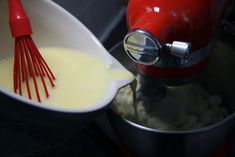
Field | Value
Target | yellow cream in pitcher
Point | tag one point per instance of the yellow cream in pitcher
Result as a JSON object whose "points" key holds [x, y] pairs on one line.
{"points": [[81, 79]]}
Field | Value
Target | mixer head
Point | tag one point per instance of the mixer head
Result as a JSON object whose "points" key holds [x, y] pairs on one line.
{"points": [[170, 41]]}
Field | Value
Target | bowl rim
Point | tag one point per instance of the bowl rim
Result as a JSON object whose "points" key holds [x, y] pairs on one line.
{"points": [[192, 131]]}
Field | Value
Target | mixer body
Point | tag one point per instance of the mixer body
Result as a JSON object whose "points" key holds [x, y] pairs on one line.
{"points": [[171, 40]]}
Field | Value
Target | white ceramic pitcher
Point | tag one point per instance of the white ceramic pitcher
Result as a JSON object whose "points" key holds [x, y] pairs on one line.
{"points": [[53, 26]]}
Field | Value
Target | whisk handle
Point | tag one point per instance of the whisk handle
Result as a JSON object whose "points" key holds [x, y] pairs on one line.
{"points": [[18, 19]]}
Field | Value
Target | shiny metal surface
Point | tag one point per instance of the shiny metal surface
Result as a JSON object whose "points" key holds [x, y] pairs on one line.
{"points": [[186, 60], [180, 49], [142, 47], [218, 77]]}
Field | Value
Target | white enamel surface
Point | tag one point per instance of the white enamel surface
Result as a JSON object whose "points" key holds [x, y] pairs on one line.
{"points": [[55, 27]]}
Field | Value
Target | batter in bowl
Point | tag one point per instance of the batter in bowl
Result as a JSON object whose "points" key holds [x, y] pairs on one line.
{"points": [[81, 79]]}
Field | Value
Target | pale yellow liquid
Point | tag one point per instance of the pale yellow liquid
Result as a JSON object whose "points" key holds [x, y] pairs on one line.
{"points": [[81, 79]]}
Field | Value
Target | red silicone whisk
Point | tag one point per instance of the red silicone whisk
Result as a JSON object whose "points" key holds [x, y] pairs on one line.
{"points": [[28, 62]]}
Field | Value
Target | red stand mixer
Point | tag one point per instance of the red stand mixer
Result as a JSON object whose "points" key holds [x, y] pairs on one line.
{"points": [[170, 41]]}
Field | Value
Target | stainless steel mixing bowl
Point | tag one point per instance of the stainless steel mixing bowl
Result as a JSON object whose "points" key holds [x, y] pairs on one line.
{"points": [[202, 142]]}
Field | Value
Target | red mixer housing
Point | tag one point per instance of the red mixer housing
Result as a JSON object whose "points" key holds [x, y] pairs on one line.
{"points": [[171, 40]]}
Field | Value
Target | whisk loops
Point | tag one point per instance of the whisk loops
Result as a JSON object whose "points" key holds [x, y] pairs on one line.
{"points": [[29, 64]]}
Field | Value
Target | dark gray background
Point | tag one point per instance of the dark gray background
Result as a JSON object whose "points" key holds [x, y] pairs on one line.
{"points": [[100, 16]]}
